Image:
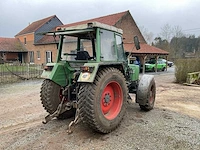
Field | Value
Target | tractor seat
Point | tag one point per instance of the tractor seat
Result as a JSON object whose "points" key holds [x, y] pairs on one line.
{"points": [[82, 55]]}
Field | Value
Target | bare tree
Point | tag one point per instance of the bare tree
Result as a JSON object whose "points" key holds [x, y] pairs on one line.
{"points": [[177, 32], [166, 32], [176, 50], [148, 36]]}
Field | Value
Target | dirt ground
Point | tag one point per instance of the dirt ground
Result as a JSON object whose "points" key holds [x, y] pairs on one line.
{"points": [[174, 123]]}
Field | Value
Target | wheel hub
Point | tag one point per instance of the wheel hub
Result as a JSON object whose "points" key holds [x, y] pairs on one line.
{"points": [[107, 99], [111, 100]]}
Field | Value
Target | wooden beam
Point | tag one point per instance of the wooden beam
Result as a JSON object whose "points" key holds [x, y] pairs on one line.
{"points": [[143, 64], [156, 70], [166, 57]]}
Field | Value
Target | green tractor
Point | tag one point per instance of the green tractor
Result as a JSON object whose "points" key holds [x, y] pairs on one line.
{"points": [[91, 78]]}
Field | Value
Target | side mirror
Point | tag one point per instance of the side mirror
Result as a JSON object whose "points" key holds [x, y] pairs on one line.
{"points": [[136, 42]]}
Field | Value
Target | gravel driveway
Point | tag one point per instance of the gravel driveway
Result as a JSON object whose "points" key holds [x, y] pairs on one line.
{"points": [[173, 124]]}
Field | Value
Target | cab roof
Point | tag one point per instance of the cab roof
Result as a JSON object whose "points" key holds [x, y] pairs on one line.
{"points": [[88, 27]]}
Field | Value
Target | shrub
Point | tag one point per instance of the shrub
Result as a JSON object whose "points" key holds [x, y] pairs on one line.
{"points": [[185, 66]]}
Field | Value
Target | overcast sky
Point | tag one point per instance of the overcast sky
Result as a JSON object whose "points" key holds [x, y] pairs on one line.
{"points": [[15, 15]]}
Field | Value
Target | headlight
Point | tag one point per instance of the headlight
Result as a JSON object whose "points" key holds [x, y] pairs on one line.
{"points": [[48, 68]]}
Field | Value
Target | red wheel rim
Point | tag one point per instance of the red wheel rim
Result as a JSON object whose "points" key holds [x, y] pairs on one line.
{"points": [[152, 95], [61, 96], [111, 100]]}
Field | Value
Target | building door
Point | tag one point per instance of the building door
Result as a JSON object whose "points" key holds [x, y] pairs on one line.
{"points": [[20, 57], [31, 57], [48, 56], [1, 58]]}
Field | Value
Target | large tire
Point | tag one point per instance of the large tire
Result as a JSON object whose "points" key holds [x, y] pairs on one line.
{"points": [[103, 103], [146, 92], [50, 95]]}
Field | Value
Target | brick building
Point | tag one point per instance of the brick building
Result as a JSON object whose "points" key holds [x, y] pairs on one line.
{"points": [[11, 49], [40, 48]]}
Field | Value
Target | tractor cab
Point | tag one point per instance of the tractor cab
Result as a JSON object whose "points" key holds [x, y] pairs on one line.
{"points": [[92, 45]]}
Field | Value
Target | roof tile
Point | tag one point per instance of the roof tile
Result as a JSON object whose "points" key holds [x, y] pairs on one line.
{"points": [[35, 25], [11, 45], [109, 20], [144, 49], [48, 40]]}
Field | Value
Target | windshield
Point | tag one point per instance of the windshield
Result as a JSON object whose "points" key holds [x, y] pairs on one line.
{"points": [[151, 61], [108, 52], [111, 46], [74, 48], [120, 47]]}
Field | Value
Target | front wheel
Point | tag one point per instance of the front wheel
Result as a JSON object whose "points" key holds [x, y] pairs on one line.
{"points": [[102, 104], [163, 69], [146, 92]]}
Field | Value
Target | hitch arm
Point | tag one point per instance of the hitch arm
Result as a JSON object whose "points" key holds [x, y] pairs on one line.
{"points": [[55, 114]]}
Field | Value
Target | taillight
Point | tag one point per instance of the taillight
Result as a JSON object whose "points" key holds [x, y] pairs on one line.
{"points": [[48, 68], [87, 69]]}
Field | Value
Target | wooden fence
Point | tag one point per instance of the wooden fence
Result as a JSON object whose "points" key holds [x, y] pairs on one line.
{"points": [[14, 72]]}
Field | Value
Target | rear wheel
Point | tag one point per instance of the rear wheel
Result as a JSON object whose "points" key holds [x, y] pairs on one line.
{"points": [[102, 104], [51, 96]]}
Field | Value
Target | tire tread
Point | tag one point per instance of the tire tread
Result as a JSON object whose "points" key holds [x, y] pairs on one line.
{"points": [[86, 100]]}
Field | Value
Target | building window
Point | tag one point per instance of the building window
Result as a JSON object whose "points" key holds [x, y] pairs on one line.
{"points": [[38, 55], [48, 56], [31, 57], [25, 41]]}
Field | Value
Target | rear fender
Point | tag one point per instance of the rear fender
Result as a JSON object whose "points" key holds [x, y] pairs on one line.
{"points": [[89, 76], [61, 73], [47, 72]]}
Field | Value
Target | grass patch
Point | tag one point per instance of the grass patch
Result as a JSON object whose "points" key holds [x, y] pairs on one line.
{"points": [[6, 68], [18, 68], [14, 72]]}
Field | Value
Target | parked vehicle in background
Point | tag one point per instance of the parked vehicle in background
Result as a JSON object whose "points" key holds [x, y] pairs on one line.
{"points": [[135, 60], [151, 65], [169, 63]]}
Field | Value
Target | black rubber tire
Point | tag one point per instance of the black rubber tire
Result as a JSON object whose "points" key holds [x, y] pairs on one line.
{"points": [[146, 93], [50, 97], [90, 96], [163, 69]]}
